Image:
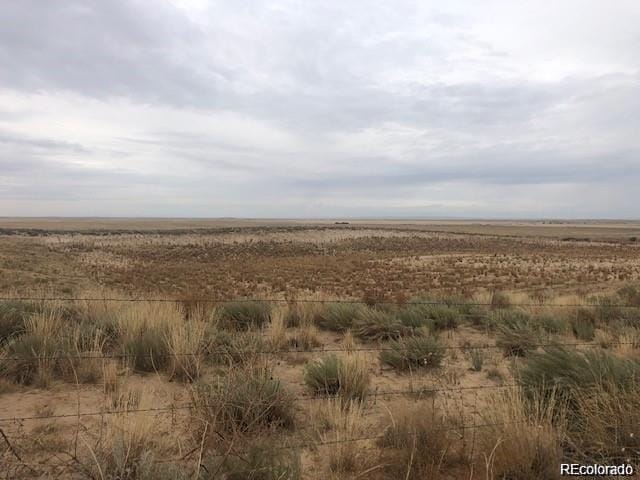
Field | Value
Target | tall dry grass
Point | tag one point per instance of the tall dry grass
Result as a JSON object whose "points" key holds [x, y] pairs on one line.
{"points": [[522, 438]]}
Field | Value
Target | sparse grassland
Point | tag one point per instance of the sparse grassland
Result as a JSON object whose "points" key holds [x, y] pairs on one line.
{"points": [[390, 352]]}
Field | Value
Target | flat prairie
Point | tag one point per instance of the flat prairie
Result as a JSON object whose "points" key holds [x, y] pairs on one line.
{"points": [[227, 258], [317, 349]]}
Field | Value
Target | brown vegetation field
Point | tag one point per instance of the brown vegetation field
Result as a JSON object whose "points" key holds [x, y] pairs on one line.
{"points": [[206, 349]]}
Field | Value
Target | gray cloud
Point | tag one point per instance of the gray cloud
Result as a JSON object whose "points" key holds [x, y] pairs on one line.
{"points": [[357, 107]]}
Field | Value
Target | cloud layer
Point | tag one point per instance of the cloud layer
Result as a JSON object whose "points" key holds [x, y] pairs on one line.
{"points": [[291, 108]]}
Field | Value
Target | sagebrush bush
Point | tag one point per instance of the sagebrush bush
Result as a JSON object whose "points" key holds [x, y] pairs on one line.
{"points": [[337, 317], [377, 325], [410, 353], [330, 375], [248, 399], [244, 315]]}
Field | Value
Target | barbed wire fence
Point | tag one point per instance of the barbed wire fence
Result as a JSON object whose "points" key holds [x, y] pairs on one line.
{"points": [[420, 391]]}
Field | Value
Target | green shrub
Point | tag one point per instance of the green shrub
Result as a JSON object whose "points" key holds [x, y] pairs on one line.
{"points": [[413, 316], [442, 317], [377, 325], [244, 315], [570, 371], [246, 400], [337, 317], [551, 324], [330, 375], [147, 350], [13, 314], [323, 375], [583, 325], [516, 337], [30, 358], [411, 353]]}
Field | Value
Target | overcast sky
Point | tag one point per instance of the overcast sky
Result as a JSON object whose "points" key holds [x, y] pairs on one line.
{"points": [[320, 109]]}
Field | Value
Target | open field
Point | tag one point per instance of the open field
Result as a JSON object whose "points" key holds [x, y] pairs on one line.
{"points": [[227, 261], [380, 350]]}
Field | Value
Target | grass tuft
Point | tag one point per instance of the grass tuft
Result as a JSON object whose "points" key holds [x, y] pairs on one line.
{"points": [[412, 353], [244, 315], [331, 375]]}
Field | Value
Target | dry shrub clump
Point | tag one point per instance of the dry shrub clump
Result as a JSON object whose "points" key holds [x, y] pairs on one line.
{"points": [[419, 442], [348, 378], [413, 353]]}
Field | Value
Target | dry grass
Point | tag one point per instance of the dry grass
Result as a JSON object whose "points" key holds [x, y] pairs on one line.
{"points": [[335, 422], [185, 341], [524, 439], [419, 442]]}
